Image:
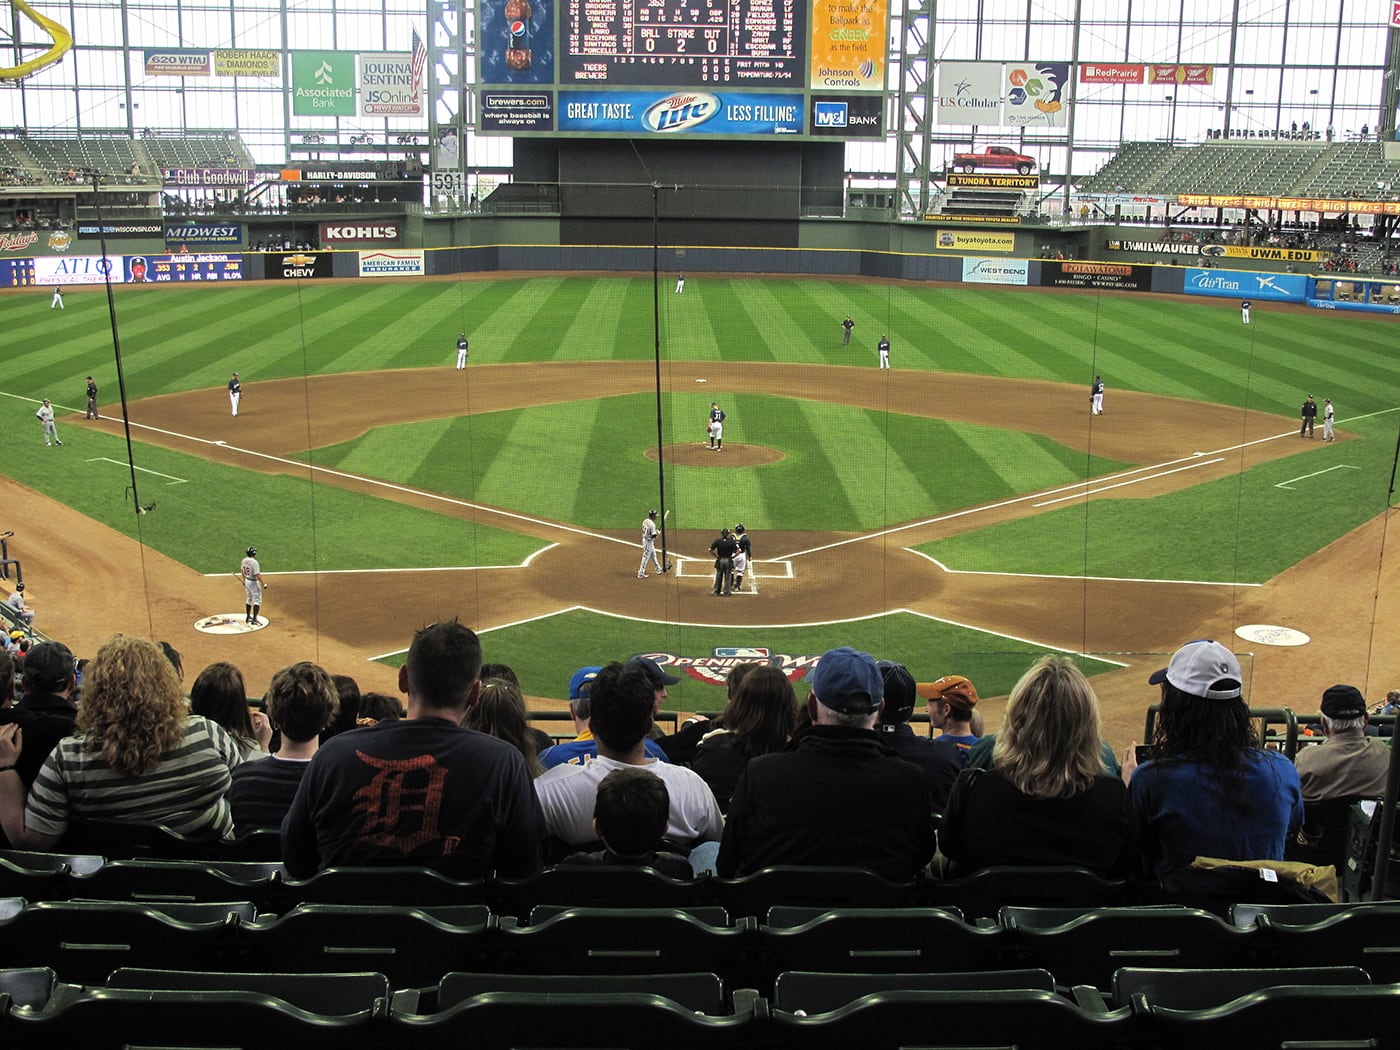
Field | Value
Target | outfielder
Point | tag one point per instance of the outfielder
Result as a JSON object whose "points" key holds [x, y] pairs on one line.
{"points": [[884, 349], [649, 532], [57, 300], [235, 391], [45, 417], [680, 283], [1244, 311], [462, 350], [251, 573], [1096, 397]]}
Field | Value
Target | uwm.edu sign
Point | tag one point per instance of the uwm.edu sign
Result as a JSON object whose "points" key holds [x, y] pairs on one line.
{"points": [[360, 232]]}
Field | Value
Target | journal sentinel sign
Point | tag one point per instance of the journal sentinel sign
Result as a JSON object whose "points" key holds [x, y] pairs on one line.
{"points": [[680, 112], [1237, 284]]}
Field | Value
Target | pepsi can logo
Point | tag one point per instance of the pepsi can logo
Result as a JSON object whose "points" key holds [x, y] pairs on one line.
{"points": [[680, 112], [830, 114]]}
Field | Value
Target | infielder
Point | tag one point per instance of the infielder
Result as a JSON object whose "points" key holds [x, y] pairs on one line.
{"points": [[1096, 397], [462, 350], [57, 300], [649, 532], [846, 327], [251, 573], [91, 399], [716, 427], [1244, 311], [884, 349], [680, 283], [45, 416], [1327, 434], [235, 391]]}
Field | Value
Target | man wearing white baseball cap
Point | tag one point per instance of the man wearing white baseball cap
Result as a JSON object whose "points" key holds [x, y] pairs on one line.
{"points": [[1209, 790]]}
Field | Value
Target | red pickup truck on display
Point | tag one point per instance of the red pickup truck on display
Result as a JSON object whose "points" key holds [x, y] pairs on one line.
{"points": [[994, 157]]}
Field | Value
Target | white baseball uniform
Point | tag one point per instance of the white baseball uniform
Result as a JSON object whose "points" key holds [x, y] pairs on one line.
{"points": [[57, 299], [45, 417], [1327, 434], [649, 531], [251, 572]]}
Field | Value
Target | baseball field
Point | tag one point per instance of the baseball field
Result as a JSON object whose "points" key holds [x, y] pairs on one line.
{"points": [[960, 511]]}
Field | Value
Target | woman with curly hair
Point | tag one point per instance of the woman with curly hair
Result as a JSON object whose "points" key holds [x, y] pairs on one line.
{"points": [[138, 756], [760, 719], [500, 712], [1048, 799], [220, 696]]}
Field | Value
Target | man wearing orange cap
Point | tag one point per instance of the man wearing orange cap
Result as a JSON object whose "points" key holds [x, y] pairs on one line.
{"points": [[950, 703]]}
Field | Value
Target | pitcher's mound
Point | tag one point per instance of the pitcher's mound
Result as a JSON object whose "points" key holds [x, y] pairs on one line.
{"points": [[698, 455]]}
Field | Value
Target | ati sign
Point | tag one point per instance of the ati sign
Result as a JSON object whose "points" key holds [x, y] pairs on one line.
{"points": [[362, 233], [323, 83]]}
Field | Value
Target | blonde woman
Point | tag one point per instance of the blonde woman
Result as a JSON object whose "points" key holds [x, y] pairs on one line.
{"points": [[1048, 799], [138, 756]]}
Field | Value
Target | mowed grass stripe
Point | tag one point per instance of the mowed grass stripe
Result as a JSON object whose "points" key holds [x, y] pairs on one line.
{"points": [[738, 334], [591, 332]]}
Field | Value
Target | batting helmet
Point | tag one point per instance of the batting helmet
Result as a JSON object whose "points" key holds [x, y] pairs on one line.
{"points": [[19, 586], [651, 514], [252, 551]]}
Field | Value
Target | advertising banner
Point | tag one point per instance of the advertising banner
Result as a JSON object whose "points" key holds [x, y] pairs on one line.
{"points": [[239, 178], [509, 111], [241, 62], [1220, 251], [160, 269], [516, 43], [971, 241], [848, 116], [388, 87], [969, 93], [363, 232], [17, 241], [995, 271], [392, 263], [994, 182], [88, 231], [848, 44], [208, 233], [1181, 74], [1118, 277], [176, 62], [980, 220], [323, 83], [78, 269], [1236, 284], [685, 112], [294, 265], [1112, 73], [1036, 93]]}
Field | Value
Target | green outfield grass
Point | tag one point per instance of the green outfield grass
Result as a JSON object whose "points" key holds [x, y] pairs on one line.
{"points": [[207, 513], [1191, 534], [544, 653], [846, 468]]}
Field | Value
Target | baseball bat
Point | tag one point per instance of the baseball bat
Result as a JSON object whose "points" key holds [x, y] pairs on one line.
{"points": [[666, 515]]}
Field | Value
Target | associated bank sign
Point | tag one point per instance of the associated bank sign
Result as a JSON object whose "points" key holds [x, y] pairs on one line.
{"points": [[1236, 284]]}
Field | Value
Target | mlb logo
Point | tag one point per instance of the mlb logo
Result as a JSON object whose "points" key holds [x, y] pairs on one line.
{"points": [[741, 652], [831, 114]]}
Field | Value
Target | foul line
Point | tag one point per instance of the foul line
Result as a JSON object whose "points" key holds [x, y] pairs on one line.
{"points": [[423, 568], [1058, 576], [108, 459], [1135, 481], [1314, 474], [1073, 488], [783, 626]]}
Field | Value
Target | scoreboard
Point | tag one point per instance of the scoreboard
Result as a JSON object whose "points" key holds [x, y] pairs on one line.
{"points": [[121, 269], [159, 269], [729, 68]]}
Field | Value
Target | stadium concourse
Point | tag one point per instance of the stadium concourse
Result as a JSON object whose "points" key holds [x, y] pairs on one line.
{"points": [[342, 620]]}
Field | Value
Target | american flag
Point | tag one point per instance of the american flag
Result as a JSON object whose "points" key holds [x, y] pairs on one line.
{"points": [[420, 60]]}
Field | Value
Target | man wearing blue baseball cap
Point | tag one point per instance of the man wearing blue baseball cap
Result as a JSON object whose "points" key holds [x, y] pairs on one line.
{"points": [[837, 795], [582, 749]]}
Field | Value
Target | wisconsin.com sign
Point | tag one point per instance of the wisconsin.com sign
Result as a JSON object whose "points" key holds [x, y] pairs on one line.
{"points": [[1237, 284]]}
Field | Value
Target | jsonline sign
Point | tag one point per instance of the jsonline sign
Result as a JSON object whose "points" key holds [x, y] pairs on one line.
{"points": [[364, 233], [180, 236]]}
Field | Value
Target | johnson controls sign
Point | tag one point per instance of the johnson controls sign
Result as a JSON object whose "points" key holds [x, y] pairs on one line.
{"points": [[360, 232]]}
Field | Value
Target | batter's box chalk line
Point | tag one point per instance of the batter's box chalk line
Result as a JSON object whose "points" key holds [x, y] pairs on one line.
{"points": [[698, 568]]}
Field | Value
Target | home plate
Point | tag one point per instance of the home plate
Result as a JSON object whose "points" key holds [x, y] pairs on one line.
{"points": [[229, 623], [702, 380], [1266, 634]]}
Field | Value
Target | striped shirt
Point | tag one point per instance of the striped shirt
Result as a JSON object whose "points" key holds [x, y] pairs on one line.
{"points": [[262, 792], [184, 791]]}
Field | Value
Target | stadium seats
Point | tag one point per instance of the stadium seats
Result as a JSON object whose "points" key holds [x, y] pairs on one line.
{"points": [[982, 893], [813, 886], [599, 886]]}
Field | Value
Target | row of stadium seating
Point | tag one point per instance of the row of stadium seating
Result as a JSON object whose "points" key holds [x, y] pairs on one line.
{"points": [[1326, 170], [50, 159]]}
